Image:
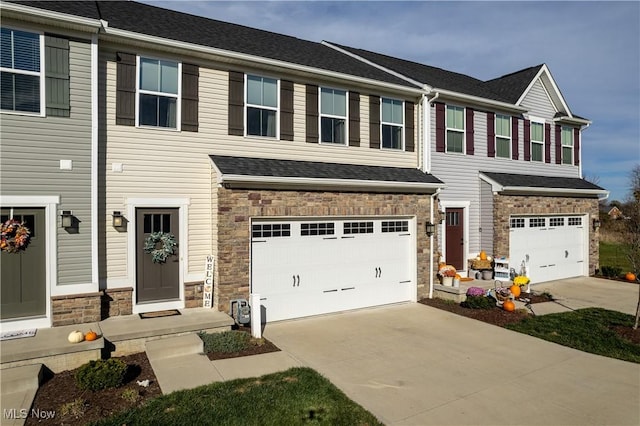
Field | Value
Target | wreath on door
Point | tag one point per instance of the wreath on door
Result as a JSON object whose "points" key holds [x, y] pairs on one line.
{"points": [[167, 246], [14, 236]]}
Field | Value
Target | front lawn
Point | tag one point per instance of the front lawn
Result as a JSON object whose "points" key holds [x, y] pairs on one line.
{"points": [[612, 254], [296, 396], [594, 330]]}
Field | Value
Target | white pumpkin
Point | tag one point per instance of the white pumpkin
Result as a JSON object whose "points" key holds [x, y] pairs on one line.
{"points": [[76, 336]]}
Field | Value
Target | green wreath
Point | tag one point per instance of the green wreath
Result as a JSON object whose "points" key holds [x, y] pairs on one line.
{"points": [[159, 255]]}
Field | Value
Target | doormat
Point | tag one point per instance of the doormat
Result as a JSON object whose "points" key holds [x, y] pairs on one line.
{"points": [[19, 334], [159, 314]]}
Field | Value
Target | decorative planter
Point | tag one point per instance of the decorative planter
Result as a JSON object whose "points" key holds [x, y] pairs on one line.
{"points": [[447, 281], [487, 274], [456, 283]]}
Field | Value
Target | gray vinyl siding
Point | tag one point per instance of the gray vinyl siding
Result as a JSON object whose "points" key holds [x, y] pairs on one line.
{"points": [[538, 102], [32, 148], [486, 217]]}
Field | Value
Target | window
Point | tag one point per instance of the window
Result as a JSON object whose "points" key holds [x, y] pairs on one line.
{"points": [[262, 106], [311, 229], [268, 230], [333, 116], [516, 222], [537, 222], [358, 228], [503, 136], [395, 226], [537, 140], [455, 129], [158, 93], [556, 221], [567, 145], [575, 221], [392, 123], [20, 71]]}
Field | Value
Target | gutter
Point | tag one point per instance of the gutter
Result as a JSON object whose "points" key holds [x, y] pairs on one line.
{"points": [[46, 16], [479, 100]]}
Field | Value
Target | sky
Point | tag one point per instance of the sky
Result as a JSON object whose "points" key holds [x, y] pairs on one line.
{"points": [[591, 48]]}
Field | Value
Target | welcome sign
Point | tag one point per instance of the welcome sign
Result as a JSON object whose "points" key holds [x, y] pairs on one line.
{"points": [[207, 291]]}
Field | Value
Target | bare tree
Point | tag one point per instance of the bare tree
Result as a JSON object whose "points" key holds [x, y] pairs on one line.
{"points": [[632, 221]]}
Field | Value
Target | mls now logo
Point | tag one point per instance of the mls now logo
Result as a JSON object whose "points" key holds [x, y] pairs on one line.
{"points": [[23, 413]]}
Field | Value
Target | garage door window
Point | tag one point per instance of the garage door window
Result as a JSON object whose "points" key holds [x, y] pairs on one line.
{"points": [[358, 228], [268, 230], [395, 226], [575, 221], [517, 222], [310, 229], [556, 221], [537, 222]]}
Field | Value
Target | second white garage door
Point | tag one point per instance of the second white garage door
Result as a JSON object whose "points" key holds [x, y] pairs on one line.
{"points": [[553, 246], [311, 267]]}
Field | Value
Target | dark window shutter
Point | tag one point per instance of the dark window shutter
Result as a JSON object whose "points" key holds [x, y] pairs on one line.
{"points": [[236, 103], [514, 138], [547, 143], [470, 131], [374, 122], [57, 76], [190, 83], [312, 113], [576, 147], [440, 128], [126, 89], [354, 119], [558, 145], [491, 134], [409, 126], [527, 140], [286, 110]]}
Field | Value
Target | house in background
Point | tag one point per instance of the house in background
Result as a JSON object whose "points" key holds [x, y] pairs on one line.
{"points": [[509, 152], [615, 213]]}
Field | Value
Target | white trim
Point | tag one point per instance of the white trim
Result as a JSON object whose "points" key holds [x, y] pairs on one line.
{"points": [[496, 136], [95, 278], [465, 205], [545, 71], [63, 290], [383, 123], [496, 188], [447, 128], [50, 204], [47, 15], [541, 121], [476, 100], [177, 96], [247, 105], [131, 204]]}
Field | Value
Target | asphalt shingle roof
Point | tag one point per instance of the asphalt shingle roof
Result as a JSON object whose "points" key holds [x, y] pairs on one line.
{"points": [[249, 166], [533, 181], [512, 86]]}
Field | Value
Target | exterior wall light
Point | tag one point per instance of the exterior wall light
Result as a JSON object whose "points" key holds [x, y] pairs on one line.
{"points": [[596, 224], [430, 228], [67, 219], [118, 219]]}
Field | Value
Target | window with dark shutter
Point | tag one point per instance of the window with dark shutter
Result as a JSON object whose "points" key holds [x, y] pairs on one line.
{"points": [[409, 126], [491, 134], [374, 122], [312, 113], [547, 143], [354, 119], [514, 138], [576, 147], [286, 110], [57, 76], [190, 80], [558, 144], [440, 128], [527, 140], [126, 89], [470, 131], [236, 103]]}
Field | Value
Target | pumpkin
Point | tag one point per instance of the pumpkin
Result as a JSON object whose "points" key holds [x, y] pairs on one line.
{"points": [[630, 276], [91, 335], [76, 336], [509, 306], [514, 289], [483, 255]]}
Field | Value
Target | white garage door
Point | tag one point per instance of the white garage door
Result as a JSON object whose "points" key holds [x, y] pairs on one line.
{"points": [[311, 267], [553, 246]]}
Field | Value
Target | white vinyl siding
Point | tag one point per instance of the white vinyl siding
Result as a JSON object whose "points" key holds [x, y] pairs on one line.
{"points": [[537, 141], [455, 129], [567, 145], [503, 136]]}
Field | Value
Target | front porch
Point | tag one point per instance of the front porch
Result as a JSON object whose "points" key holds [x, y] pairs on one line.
{"points": [[458, 294]]}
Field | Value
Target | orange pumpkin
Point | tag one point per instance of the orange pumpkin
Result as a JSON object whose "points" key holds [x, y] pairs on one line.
{"points": [[483, 255], [509, 306], [91, 335], [630, 276], [515, 290]]}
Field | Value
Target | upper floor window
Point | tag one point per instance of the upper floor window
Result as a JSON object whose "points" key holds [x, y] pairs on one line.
{"points": [[455, 129], [392, 123], [333, 116], [158, 93], [262, 106], [537, 140], [503, 136], [567, 145], [22, 78]]}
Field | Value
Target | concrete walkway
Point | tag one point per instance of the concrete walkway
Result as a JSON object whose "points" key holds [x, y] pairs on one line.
{"points": [[416, 365]]}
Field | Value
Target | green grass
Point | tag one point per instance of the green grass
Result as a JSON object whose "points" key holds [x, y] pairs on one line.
{"points": [[612, 254], [298, 396], [584, 329]]}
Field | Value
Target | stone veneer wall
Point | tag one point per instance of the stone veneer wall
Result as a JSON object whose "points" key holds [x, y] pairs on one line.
{"points": [[117, 301], [506, 205], [75, 309], [193, 294], [236, 207]]}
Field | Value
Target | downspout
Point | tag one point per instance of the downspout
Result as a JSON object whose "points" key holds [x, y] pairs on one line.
{"points": [[431, 218], [581, 147], [426, 143]]}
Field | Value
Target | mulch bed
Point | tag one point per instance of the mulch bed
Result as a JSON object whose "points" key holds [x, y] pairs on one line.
{"points": [[263, 347]]}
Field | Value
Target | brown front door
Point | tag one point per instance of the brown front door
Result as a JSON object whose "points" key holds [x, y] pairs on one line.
{"points": [[23, 276], [454, 232], [156, 280]]}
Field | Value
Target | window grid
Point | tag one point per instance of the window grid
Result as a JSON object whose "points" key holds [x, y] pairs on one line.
{"points": [[455, 129], [21, 71], [556, 221], [395, 226], [516, 222], [392, 123], [269, 230], [261, 106], [158, 93], [537, 222], [358, 228], [503, 136], [312, 229], [566, 138], [574, 221], [537, 140], [333, 116]]}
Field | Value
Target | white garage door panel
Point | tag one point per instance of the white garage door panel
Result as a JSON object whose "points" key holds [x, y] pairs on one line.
{"points": [[300, 275]]}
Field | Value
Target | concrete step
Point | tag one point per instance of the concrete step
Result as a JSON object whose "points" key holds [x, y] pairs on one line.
{"points": [[187, 344], [18, 390], [184, 372], [20, 378]]}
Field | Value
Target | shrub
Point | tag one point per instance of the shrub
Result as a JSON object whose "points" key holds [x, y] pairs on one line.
{"points": [[101, 374], [611, 271], [130, 395], [478, 302], [226, 341]]}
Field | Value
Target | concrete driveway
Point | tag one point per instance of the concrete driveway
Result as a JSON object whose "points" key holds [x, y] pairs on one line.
{"points": [[412, 364]]}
